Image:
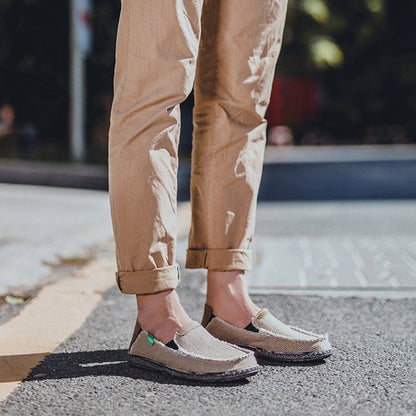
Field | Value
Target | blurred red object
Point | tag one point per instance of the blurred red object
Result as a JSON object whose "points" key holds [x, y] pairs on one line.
{"points": [[280, 136], [293, 101], [7, 117]]}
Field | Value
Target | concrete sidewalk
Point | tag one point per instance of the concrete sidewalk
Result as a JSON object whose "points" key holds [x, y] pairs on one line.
{"points": [[342, 268], [371, 372], [42, 226], [356, 248], [360, 248]]}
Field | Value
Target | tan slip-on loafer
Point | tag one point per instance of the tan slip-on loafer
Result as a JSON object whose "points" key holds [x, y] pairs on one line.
{"points": [[192, 354], [270, 338]]}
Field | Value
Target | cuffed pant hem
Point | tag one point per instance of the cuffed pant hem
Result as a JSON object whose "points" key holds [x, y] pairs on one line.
{"points": [[218, 259], [148, 281]]}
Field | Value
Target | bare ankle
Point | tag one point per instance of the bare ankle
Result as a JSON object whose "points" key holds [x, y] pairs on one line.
{"points": [[227, 294], [161, 314]]}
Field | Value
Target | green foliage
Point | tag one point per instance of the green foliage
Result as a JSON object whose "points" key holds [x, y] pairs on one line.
{"points": [[362, 52]]}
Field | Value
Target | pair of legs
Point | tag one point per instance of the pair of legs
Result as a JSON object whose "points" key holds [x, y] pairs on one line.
{"points": [[227, 50], [162, 314]]}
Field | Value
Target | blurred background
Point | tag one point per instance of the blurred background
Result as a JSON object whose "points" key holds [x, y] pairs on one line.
{"points": [[337, 201], [346, 76]]}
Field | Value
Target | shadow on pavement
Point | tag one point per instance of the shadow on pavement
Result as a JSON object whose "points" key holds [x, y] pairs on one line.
{"points": [[263, 361], [105, 363], [114, 363]]}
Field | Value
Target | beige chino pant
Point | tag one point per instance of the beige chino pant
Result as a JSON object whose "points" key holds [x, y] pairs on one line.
{"points": [[227, 50]]}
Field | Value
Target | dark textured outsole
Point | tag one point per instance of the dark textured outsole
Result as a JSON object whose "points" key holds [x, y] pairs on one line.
{"points": [[206, 377], [291, 357]]}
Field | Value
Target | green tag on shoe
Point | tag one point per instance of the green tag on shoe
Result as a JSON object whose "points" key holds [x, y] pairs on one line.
{"points": [[150, 338]]}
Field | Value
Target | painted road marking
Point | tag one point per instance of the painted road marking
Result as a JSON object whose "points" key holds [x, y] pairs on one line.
{"points": [[57, 312]]}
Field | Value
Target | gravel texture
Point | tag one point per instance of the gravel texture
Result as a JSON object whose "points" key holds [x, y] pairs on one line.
{"points": [[372, 371]]}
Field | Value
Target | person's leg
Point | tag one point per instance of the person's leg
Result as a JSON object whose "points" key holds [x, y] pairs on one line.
{"points": [[239, 47], [156, 50], [227, 294]]}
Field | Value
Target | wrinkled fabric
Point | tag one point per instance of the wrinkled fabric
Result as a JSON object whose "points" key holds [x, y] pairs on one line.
{"points": [[227, 50], [272, 334], [198, 352]]}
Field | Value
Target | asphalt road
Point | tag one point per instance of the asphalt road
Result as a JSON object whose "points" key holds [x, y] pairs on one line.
{"points": [[372, 371]]}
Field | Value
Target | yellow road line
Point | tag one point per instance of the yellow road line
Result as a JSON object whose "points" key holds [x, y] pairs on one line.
{"points": [[57, 312]]}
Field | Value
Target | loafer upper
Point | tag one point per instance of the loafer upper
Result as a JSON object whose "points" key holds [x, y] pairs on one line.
{"points": [[268, 333], [198, 351]]}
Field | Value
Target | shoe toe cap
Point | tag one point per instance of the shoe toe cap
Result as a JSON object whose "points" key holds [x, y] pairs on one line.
{"points": [[322, 345]]}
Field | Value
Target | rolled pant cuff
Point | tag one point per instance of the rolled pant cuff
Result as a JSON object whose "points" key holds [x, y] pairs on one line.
{"points": [[148, 281], [218, 259]]}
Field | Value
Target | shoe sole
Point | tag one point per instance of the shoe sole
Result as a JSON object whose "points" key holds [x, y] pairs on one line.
{"points": [[142, 362], [291, 357]]}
